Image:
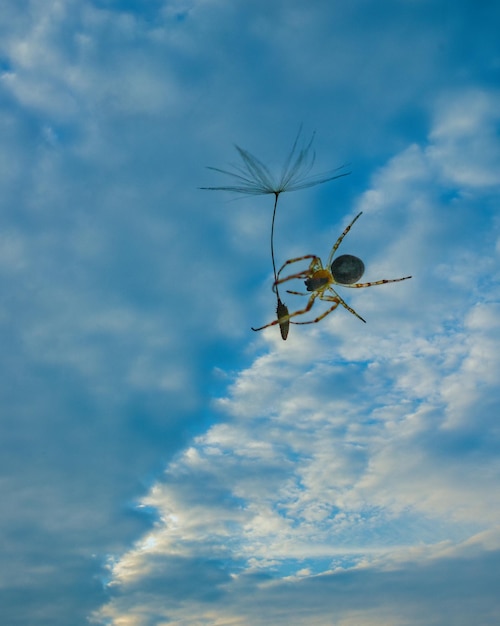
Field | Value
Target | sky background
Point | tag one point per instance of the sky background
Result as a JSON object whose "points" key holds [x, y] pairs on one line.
{"points": [[160, 463]]}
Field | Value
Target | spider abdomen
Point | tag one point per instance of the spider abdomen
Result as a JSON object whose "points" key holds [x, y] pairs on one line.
{"points": [[347, 269]]}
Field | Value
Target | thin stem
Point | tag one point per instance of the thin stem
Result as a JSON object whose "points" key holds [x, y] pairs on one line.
{"points": [[276, 195], [281, 309]]}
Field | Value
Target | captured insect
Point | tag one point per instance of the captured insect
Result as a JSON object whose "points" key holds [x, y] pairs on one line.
{"points": [[345, 270]]}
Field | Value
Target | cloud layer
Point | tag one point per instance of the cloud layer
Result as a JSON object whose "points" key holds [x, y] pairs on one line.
{"points": [[159, 463]]}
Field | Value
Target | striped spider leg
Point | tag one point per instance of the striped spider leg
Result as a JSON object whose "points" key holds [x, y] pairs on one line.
{"points": [[307, 308]]}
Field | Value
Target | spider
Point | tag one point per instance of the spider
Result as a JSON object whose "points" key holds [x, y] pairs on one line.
{"points": [[345, 270]]}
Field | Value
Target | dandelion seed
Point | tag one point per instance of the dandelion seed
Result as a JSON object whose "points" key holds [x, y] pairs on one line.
{"points": [[282, 312], [255, 179]]}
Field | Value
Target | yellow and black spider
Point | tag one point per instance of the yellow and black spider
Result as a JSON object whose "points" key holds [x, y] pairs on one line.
{"points": [[345, 270]]}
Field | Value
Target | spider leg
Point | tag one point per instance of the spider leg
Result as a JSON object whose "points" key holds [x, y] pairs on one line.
{"points": [[296, 293], [342, 302], [314, 258], [285, 318], [302, 275], [317, 319], [315, 264], [377, 282], [339, 240]]}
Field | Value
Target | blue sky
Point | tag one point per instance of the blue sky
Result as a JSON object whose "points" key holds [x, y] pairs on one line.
{"points": [[160, 462]]}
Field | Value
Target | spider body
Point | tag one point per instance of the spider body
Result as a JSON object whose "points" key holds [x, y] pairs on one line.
{"points": [[345, 270]]}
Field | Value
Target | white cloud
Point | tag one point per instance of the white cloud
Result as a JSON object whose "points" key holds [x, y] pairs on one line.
{"points": [[465, 147]]}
